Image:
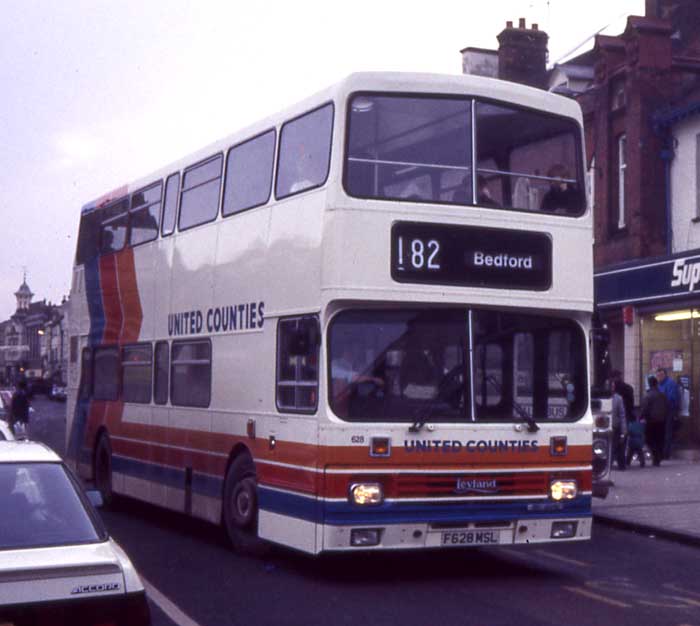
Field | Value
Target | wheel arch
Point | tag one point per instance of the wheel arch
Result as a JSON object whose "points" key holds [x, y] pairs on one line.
{"points": [[238, 450]]}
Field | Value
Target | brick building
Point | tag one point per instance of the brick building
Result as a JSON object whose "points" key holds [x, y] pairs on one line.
{"points": [[640, 96]]}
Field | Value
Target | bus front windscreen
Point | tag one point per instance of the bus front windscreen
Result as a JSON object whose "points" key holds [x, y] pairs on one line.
{"points": [[419, 149], [415, 366]]}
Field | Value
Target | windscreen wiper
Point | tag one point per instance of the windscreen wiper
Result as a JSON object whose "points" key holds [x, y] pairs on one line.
{"points": [[532, 426], [422, 415], [423, 412]]}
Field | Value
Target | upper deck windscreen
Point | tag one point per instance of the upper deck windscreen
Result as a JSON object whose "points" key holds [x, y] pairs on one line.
{"points": [[422, 149]]}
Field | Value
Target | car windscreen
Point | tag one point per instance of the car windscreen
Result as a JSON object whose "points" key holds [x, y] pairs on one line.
{"points": [[41, 506]]}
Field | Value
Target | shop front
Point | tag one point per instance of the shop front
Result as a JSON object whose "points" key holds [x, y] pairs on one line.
{"points": [[653, 313]]}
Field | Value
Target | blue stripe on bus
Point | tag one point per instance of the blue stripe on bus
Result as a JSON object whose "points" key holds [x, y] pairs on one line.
{"points": [[202, 484], [76, 445], [93, 291], [290, 504], [343, 513]]}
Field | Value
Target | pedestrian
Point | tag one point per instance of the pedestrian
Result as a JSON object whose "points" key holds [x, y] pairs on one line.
{"points": [[619, 424], [19, 410], [626, 392], [653, 413], [635, 442], [669, 388]]}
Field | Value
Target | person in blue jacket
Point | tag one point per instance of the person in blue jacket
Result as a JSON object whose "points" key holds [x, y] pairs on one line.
{"points": [[669, 388]]}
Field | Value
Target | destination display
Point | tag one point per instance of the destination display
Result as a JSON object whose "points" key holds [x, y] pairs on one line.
{"points": [[472, 256]]}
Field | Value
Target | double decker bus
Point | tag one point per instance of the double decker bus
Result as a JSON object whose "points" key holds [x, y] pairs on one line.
{"points": [[359, 324]]}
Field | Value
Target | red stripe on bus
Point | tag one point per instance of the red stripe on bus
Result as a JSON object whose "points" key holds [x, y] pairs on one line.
{"points": [[173, 457], [129, 297], [295, 479], [111, 304]]}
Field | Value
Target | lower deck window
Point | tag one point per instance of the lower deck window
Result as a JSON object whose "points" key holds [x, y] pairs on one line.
{"points": [[136, 373], [190, 373], [297, 364], [106, 373]]}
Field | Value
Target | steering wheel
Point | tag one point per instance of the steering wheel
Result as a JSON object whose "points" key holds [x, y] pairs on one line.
{"points": [[452, 386]]}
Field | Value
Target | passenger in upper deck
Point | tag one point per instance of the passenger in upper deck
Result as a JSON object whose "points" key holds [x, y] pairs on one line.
{"points": [[485, 197], [562, 195]]}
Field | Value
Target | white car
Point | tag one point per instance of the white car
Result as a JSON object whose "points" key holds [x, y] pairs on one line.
{"points": [[51, 535], [5, 431]]}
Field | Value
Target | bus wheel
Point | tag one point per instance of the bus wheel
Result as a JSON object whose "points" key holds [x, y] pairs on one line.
{"points": [[240, 507], [103, 469]]}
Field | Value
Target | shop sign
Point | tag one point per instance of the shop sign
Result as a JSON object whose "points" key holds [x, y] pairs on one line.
{"points": [[649, 281]]}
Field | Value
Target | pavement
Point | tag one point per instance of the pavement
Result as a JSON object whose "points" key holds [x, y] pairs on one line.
{"points": [[661, 501]]}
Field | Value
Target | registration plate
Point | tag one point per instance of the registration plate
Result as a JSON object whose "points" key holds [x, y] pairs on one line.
{"points": [[470, 537]]}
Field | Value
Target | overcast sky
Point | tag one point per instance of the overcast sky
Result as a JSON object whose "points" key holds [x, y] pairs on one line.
{"points": [[94, 94]]}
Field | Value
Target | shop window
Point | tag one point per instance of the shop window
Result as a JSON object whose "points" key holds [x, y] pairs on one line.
{"points": [[621, 180]]}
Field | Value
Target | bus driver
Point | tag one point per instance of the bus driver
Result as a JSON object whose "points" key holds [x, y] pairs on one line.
{"points": [[346, 372]]}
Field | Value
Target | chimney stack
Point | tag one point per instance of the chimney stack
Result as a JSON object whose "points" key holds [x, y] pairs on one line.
{"points": [[522, 54]]}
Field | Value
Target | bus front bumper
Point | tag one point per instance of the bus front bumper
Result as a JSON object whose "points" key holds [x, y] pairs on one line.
{"points": [[477, 534]]}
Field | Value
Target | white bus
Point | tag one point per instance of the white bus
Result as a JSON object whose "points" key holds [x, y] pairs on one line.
{"points": [[358, 324]]}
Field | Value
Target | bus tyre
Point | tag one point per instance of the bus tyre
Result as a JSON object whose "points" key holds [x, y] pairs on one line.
{"points": [[240, 507], [103, 469]]}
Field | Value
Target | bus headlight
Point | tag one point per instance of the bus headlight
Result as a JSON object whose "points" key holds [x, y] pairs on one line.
{"points": [[366, 493], [563, 489]]}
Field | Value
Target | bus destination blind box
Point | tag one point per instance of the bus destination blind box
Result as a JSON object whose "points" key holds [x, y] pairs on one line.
{"points": [[446, 254]]}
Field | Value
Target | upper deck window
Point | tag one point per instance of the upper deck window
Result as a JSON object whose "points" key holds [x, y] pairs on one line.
{"points": [[172, 187], [88, 237], [528, 160], [114, 227], [409, 148], [199, 201], [305, 152], [249, 173], [145, 213], [420, 149]]}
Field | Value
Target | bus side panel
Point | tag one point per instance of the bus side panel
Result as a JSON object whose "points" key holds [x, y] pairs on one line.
{"points": [[162, 286], [289, 484]]}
